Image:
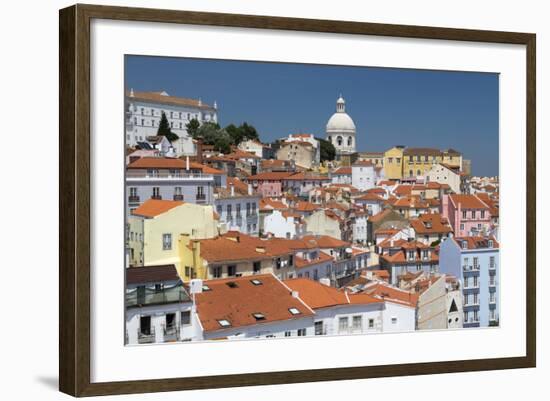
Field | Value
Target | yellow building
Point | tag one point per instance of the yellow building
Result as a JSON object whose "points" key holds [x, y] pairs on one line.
{"points": [[393, 163], [234, 255], [155, 229], [409, 163], [376, 158]]}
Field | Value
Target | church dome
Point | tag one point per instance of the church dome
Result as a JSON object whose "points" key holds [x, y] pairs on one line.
{"points": [[340, 121]]}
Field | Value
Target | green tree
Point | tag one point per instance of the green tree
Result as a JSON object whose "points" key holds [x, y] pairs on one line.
{"points": [[192, 127], [164, 129], [328, 151], [212, 134], [241, 133]]}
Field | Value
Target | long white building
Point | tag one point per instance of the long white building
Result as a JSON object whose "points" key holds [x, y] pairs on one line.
{"points": [[144, 111]]}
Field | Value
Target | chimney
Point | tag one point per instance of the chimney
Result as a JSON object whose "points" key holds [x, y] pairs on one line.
{"points": [[187, 163], [232, 186], [249, 189], [391, 243]]}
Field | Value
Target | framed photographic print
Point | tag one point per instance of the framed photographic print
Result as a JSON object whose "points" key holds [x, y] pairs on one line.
{"points": [[250, 200]]}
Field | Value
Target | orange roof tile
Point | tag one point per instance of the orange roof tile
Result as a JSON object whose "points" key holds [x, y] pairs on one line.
{"points": [[467, 201], [318, 295], [155, 207], [431, 223], [392, 294], [241, 299]]}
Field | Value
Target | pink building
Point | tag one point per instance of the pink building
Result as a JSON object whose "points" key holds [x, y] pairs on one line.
{"points": [[269, 184], [468, 214]]}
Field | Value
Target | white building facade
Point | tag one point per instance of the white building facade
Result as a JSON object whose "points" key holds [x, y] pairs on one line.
{"points": [[144, 111]]}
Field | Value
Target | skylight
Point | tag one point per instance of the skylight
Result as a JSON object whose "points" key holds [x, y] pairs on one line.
{"points": [[259, 316], [205, 288], [256, 282], [294, 311], [224, 323], [232, 284]]}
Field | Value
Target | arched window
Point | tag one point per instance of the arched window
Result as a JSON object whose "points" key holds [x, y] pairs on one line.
{"points": [[418, 172], [411, 173], [339, 141], [350, 140]]}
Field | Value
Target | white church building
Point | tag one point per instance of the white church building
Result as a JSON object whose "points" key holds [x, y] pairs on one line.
{"points": [[340, 130], [144, 110]]}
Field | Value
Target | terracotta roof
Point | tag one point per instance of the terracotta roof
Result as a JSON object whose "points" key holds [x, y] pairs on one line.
{"points": [[467, 201], [376, 191], [155, 207], [270, 176], [386, 231], [300, 262], [158, 97], [151, 274], [421, 152], [400, 257], [272, 204], [234, 246], [370, 197], [324, 241], [241, 154], [379, 216], [169, 163], [477, 242], [411, 202], [387, 182], [392, 294], [342, 171], [237, 300], [402, 190], [431, 223], [318, 295], [303, 206], [364, 163], [307, 177]]}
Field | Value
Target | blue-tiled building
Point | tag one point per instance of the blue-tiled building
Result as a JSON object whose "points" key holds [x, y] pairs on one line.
{"points": [[475, 262]]}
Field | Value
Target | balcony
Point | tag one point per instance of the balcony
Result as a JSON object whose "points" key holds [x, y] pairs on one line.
{"points": [[135, 297], [171, 332], [146, 336], [493, 266], [178, 198], [157, 197], [470, 268], [200, 198], [139, 176], [133, 199]]}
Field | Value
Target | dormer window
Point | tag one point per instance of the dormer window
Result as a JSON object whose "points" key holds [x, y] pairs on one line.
{"points": [[464, 244], [490, 243]]}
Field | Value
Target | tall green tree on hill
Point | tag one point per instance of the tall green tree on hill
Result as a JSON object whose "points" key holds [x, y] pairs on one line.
{"points": [[192, 127], [213, 134], [165, 130], [328, 151], [242, 133]]}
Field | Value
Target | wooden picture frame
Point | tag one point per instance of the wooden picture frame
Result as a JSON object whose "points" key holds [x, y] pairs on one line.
{"points": [[75, 207]]}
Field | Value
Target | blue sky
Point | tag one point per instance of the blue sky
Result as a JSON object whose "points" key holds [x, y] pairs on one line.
{"points": [[416, 108]]}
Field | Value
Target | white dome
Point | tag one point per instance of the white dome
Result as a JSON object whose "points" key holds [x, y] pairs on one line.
{"points": [[340, 122]]}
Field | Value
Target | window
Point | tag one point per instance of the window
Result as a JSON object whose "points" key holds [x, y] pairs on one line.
{"points": [[224, 323], [492, 297], [133, 191], [219, 209], [294, 311], [166, 242], [200, 192], [473, 214], [492, 262], [291, 260], [278, 263], [476, 263], [229, 210], [238, 209], [462, 226], [394, 320], [476, 281], [288, 333], [185, 317], [231, 270], [342, 324], [256, 267], [418, 267], [319, 328], [371, 323], [156, 192], [483, 214], [301, 332], [256, 282], [357, 322], [464, 214], [145, 325], [217, 271]]}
